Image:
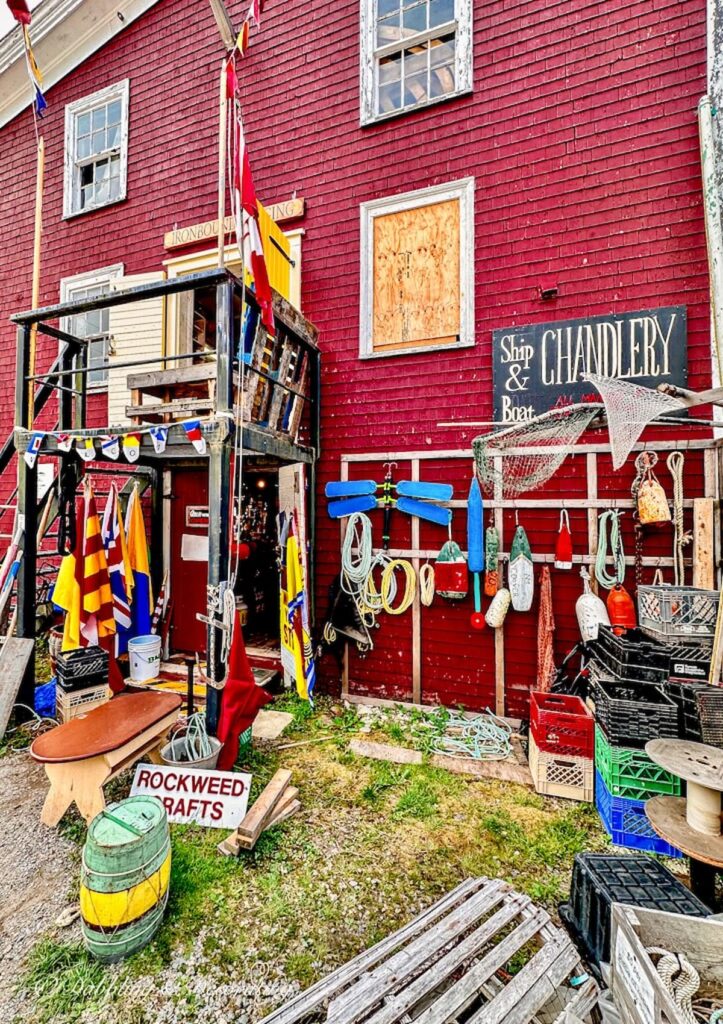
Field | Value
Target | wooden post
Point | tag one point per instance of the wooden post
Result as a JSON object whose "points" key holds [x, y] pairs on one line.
{"points": [[703, 561], [344, 474], [37, 241], [592, 514], [416, 608], [500, 632], [222, 155], [27, 515]]}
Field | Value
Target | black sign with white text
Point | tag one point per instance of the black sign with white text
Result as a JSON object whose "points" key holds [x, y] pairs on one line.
{"points": [[539, 367]]}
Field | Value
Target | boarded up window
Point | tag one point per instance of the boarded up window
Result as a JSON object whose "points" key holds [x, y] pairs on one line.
{"points": [[416, 277], [416, 280]]}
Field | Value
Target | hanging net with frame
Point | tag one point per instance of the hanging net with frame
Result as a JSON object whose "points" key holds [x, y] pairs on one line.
{"points": [[524, 456]]}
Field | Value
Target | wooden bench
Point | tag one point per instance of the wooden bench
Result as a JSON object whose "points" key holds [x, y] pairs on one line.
{"points": [[85, 753]]}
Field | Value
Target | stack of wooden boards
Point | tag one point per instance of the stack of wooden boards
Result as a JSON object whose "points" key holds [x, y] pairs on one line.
{"points": [[278, 802], [484, 954]]}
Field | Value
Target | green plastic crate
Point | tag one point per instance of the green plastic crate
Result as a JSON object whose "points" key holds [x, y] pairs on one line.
{"points": [[630, 773]]}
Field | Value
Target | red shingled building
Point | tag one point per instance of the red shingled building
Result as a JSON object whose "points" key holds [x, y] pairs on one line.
{"points": [[494, 165]]}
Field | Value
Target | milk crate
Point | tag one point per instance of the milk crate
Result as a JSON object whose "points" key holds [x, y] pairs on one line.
{"points": [[629, 772], [626, 823], [73, 704], [669, 612], [601, 879], [561, 724], [632, 713], [554, 775], [690, 661], [633, 655], [82, 668]]}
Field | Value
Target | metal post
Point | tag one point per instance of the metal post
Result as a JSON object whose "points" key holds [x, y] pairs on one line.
{"points": [[27, 516], [219, 487], [156, 478]]}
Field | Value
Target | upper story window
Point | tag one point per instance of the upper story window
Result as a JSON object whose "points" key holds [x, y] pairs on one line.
{"points": [[96, 150], [413, 53], [94, 325]]}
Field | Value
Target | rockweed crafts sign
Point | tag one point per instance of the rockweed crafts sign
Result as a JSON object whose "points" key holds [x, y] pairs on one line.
{"points": [[539, 367]]}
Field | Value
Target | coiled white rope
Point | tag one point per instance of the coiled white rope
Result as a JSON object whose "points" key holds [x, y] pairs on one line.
{"points": [[483, 737], [675, 463], [426, 584], [617, 552], [680, 978]]}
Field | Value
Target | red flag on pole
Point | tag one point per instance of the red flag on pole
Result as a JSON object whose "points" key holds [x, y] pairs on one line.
{"points": [[20, 11], [240, 703]]}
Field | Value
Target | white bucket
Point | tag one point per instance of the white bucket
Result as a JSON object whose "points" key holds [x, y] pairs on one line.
{"points": [[144, 653]]}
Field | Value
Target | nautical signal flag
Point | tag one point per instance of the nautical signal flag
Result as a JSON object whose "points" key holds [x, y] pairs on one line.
{"points": [[20, 11], [119, 568], [142, 603]]}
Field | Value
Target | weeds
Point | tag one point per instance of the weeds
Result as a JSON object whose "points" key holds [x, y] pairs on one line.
{"points": [[64, 981]]}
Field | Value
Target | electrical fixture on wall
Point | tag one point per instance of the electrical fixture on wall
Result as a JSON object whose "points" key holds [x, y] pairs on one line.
{"points": [[547, 292]]}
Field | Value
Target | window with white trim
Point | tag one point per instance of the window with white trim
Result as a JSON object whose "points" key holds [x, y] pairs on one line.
{"points": [[413, 53], [417, 271], [93, 325], [96, 150]]}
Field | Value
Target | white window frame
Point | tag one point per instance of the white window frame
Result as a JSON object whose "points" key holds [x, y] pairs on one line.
{"points": [[462, 190], [71, 184], [370, 54], [68, 285]]}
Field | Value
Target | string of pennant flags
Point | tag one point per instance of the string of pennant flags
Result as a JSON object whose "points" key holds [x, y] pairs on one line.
{"points": [[112, 445]]}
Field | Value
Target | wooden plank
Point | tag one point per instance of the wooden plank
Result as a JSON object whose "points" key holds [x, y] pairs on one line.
{"points": [[288, 805], [289, 810], [355, 1002], [294, 321], [681, 444], [416, 608], [15, 656], [592, 519], [179, 407], [191, 373], [255, 820], [508, 770], [459, 996], [581, 1004], [500, 631], [306, 1002], [385, 752], [443, 968], [703, 546], [535, 985]]}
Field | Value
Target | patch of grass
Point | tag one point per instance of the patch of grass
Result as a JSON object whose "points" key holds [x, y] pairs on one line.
{"points": [[418, 801], [64, 981], [384, 776]]}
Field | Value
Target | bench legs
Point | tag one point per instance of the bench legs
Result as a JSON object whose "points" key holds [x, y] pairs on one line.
{"points": [[79, 781]]}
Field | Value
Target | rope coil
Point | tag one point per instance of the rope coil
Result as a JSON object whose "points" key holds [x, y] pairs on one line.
{"points": [[617, 553]]}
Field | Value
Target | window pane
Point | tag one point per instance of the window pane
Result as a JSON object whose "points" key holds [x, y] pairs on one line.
{"points": [[82, 125], [87, 174], [440, 12], [113, 136], [388, 30], [390, 97], [102, 170], [98, 142], [415, 89], [442, 50], [98, 361], [114, 112], [114, 188], [390, 68], [442, 80], [98, 118], [386, 7], [86, 196], [415, 19], [415, 60], [83, 148]]}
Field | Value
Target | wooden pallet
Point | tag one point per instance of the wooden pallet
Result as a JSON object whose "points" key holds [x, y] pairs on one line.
{"points": [[453, 963]]}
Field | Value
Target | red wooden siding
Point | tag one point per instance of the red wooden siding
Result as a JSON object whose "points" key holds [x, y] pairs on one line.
{"points": [[582, 138]]}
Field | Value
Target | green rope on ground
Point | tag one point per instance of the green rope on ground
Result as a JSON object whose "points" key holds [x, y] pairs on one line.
{"points": [[483, 737]]}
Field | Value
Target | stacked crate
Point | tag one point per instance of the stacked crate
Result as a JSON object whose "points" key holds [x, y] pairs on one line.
{"points": [[629, 675], [561, 746], [683, 620], [82, 682]]}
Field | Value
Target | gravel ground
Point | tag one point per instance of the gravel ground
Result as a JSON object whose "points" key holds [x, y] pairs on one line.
{"points": [[37, 870]]}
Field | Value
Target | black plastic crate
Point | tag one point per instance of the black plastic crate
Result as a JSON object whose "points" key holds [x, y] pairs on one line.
{"points": [[81, 668], [601, 879], [684, 696], [710, 711], [634, 655], [690, 661], [631, 713]]}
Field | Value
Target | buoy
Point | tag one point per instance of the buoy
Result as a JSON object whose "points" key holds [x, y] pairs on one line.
{"points": [[124, 877]]}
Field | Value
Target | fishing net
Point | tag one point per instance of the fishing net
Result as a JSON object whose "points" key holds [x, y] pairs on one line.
{"points": [[629, 408], [522, 457]]}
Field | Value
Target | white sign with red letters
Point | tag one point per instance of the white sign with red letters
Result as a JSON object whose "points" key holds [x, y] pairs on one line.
{"points": [[195, 795]]}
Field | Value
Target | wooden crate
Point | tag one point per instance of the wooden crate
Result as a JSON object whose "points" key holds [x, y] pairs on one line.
{"points": [[484, 954], [637, 989]]}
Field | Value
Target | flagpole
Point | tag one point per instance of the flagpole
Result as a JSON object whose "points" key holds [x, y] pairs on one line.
{"points": [[35, 300], [222, 140]]}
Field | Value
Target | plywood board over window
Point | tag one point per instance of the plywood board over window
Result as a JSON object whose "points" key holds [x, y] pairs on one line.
{"points": [[417, 289]]}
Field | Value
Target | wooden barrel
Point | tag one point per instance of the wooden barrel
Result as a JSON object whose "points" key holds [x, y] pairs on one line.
{"points": [[124, 877]]}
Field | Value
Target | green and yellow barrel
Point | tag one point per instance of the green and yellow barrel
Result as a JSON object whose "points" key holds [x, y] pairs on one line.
{"points": [[124, 877]]}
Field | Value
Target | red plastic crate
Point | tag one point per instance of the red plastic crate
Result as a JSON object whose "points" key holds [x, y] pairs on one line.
{"points": [[562, 724]]}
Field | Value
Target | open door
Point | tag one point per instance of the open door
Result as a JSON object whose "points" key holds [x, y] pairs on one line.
{"points": [[292, 503]]}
